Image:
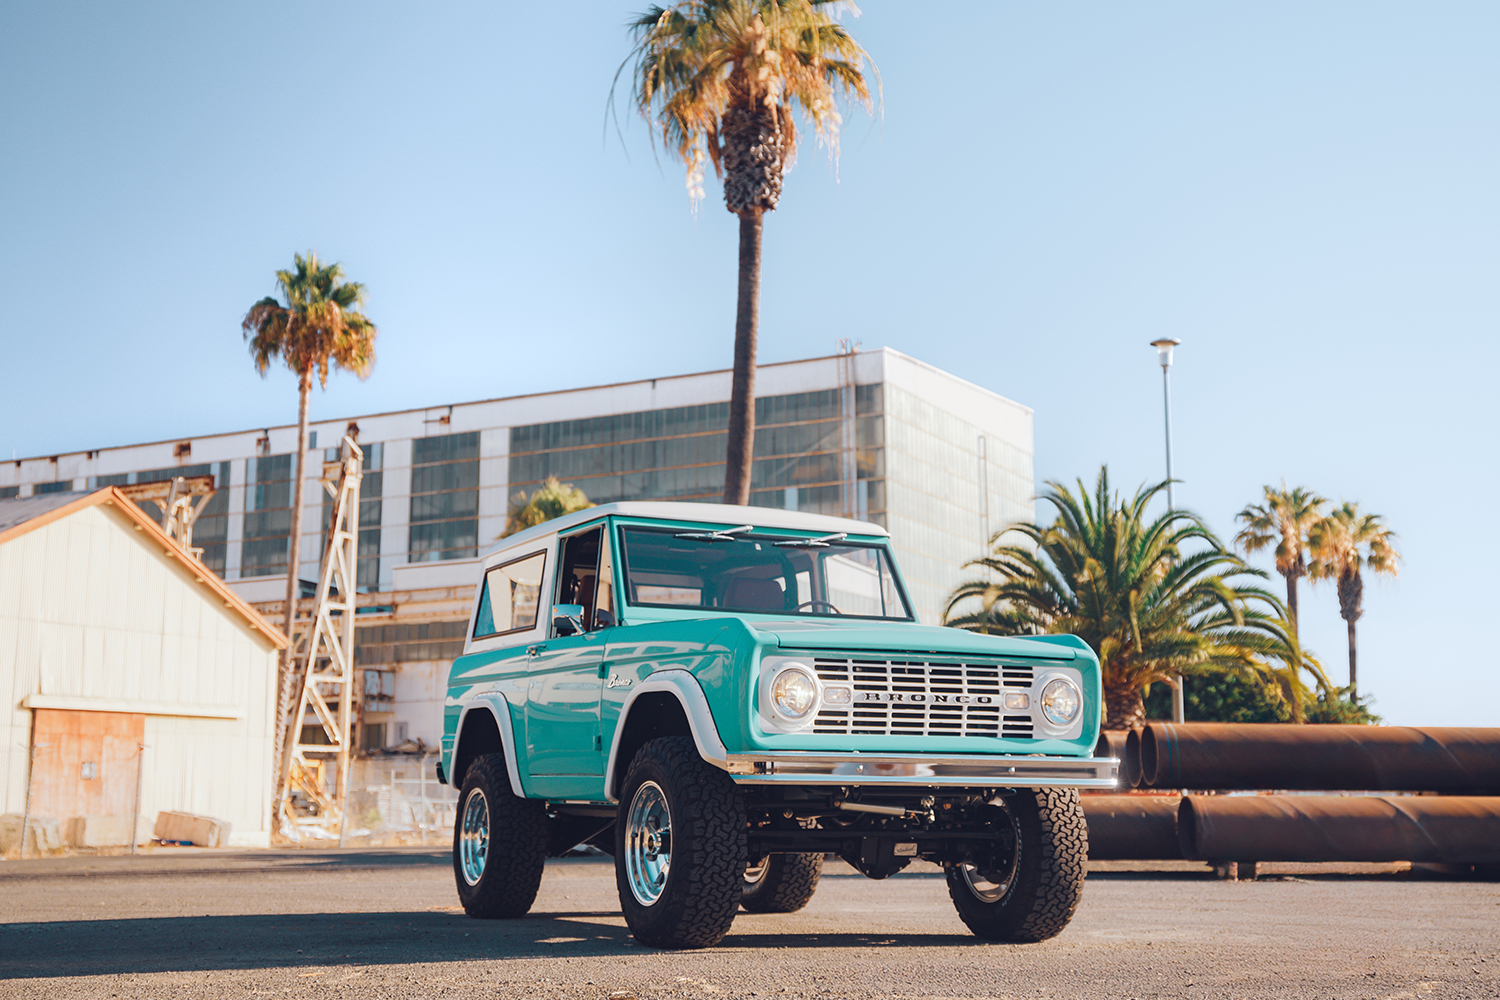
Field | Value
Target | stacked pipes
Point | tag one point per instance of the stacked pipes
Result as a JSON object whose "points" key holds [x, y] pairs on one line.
{"points": [[1461, 825]]}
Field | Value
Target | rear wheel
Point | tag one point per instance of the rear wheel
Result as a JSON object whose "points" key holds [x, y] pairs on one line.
{"points": [[1028, 888], [499, 843], [679, 847], [781, 883]]}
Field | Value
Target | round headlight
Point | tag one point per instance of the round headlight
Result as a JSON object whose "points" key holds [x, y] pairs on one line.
{"points": [[1061, 701], [794, 693]]}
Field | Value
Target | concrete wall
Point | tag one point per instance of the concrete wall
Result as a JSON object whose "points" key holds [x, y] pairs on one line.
{"points": [[95, 618]]}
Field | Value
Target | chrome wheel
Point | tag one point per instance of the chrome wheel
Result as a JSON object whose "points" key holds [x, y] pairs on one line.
{"points": [[983, 889], [474, 837], [757, 871], [648, 843], [991, 886]]}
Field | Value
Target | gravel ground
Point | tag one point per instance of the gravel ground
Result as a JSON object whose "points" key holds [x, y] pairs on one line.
{"points": [[336, 924]]}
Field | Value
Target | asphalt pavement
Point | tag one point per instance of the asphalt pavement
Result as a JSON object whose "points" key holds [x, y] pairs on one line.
{"points": [[387, 924]]}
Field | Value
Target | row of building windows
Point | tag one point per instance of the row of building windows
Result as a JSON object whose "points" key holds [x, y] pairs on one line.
{"points": [[800, 461], [803, 461], [414, 643], [444, 521]]}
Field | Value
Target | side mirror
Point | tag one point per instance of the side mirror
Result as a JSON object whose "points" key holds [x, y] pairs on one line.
{"points": [[567, 619]]}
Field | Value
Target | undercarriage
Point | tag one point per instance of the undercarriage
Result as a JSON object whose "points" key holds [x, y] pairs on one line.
{"points": [[877, 831]]}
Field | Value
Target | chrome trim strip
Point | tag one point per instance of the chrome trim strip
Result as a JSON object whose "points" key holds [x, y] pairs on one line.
{"points": [[972, 771]]}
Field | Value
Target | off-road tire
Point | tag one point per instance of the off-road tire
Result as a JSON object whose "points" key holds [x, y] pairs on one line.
{"points": [[785, 885], [1052, 841], [517, 846], [701, 892]]}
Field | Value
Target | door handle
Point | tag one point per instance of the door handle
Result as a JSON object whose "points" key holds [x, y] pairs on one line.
{"points": [[533, 650]]}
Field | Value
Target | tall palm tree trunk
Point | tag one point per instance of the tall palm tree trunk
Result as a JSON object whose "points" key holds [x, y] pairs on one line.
{"points": [[741, 449], [1353, 668], [1291, 598], [1351, 607], [294, 547]]}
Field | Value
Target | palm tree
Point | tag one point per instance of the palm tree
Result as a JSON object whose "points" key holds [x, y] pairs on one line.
{"points": [[318, 326], [1284, 518], [718, 80], [551, 499], [1153, 597], [1342, 544]]}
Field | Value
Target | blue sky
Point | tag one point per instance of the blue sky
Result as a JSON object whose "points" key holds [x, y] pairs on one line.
{"points": [[1305, 195]]}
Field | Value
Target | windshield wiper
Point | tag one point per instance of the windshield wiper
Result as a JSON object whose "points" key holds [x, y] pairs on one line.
{"points": [[821, 542], [727, 535]]}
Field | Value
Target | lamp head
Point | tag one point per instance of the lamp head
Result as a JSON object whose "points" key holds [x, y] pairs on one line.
{"points": [[1164, 351]]}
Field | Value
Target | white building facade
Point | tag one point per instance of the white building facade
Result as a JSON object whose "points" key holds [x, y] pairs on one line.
{"points": [[940, 462]]}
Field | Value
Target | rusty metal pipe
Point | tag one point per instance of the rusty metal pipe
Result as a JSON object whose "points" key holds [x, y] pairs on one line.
{"points": [[1445, 829], [1367, 758], [1130, 764], [1132, 827], [1111, 743]]}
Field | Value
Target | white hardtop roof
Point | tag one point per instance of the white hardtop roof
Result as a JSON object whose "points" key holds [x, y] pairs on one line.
{"points": [[718, 514]]}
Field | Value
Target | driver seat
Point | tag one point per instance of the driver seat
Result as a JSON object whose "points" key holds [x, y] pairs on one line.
{"points": [[751, 594]]}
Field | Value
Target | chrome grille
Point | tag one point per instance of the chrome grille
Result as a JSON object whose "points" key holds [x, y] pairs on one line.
{"points": [[916, 697]]}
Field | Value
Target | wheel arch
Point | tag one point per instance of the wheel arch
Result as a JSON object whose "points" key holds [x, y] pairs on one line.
{"points": [[485, 727], [667, 703]]}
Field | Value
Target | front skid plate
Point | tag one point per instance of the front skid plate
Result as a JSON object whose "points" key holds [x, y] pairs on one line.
{"points": [[924, 770]]}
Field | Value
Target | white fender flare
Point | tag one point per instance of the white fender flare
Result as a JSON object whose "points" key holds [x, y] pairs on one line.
{"points": [[496, 705], [689, 694]]}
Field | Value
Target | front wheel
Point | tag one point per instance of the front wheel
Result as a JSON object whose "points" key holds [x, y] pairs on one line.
{"points": [[781, 883], [679, 847], [1028, 888], [499, 843]]}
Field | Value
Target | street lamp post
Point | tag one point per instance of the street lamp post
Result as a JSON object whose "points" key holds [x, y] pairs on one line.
{"points": [[1164, 358]]}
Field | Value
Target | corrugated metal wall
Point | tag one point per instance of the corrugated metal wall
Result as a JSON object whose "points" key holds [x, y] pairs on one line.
{"points": [[91, 609]]}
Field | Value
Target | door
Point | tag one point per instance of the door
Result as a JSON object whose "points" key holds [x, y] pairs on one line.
{"points": [[562, 706], [566, 671], [87, 763]]}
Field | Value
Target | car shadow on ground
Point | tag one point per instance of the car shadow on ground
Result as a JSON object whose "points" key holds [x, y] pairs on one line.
{"points": [[321, 940]]}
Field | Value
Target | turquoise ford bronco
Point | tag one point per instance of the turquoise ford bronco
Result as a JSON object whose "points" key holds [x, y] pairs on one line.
{"points": [[721, 696]]}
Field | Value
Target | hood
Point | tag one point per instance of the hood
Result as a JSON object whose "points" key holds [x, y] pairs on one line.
{"points": [[856, 635]]}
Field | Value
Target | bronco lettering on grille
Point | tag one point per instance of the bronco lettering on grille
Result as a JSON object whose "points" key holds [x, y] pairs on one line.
{"points": [[917, 698]]}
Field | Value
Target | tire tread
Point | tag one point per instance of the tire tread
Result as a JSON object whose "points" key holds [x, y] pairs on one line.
{"points": [[518, 845], [787, 886], [1049, 883], [702, 894]]}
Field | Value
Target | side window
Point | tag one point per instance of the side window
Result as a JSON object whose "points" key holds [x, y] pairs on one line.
{"points": [[512, 597], [584, 577], [484, 618]]}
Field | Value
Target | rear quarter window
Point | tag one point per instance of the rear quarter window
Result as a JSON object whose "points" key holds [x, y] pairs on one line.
{"points": [[511, 596]]}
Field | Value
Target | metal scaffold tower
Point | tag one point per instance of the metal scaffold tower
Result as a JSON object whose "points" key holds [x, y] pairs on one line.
{"points": [[181, 499], [323, 675]]}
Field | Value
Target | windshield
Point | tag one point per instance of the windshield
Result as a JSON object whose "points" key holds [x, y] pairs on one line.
{"points": [[744, 570]]}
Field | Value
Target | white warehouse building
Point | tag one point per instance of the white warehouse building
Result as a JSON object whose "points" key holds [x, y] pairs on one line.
{"points": [[877, 435], [137, 682]]}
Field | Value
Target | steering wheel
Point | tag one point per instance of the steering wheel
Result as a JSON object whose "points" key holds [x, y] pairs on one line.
{"points": [[814, 605]]}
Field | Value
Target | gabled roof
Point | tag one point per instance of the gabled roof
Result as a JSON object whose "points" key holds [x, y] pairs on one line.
{"points": [[22, 516], [19, 511]]}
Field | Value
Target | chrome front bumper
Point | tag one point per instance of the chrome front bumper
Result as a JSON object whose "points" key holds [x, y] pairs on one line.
{"points": [[968, 771]]}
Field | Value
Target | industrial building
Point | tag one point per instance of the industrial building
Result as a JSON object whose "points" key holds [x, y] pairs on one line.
{"points": [[937, 460], [135, 681]]}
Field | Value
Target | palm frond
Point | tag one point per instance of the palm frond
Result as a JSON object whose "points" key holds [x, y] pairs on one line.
{"points": [[1154, 595]]}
